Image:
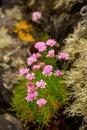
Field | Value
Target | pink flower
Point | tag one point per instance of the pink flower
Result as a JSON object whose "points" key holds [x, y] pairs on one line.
{"points": [[36, 67], [30, 84], [23, 71], [30, 87], [41, 64], [58, 73], [41, 102], [31, 96], [36, 16], [63, 56], [51, 42], [40, 46], [32, 92], [30, 76], [38, 55], [51, 54], [31, 60], [41, 84], [47, 71]]}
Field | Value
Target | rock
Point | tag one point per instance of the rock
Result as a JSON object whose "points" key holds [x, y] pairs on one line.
{"points": [[0, 2], [11, 3], [4, 66], [5, 94], [5, 39], [15, 10], [1, 55], [17, 62], [8, 122]]}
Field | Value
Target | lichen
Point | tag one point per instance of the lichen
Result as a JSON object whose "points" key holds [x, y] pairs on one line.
{"points": [[65, 3], [76, 77], [5, 38]]}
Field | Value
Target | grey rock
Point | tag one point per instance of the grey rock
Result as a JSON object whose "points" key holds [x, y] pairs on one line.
{"points": [[8, 122], [17, 62], [4, 66], [10, 3], [5, 94]]}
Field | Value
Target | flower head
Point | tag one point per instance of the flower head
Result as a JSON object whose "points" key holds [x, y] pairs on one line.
{"points": [[36, 16], [30, 85], [36, 67], [63, 56], [31, 96], [23, 71], [50, 42], [30, 76], [38, 55], [40, 46], [41, 84], [32, 92], [42, 64], [41, 102], [31, 89], [58, 73], [47, 71], [51, 54], [31, 60]]}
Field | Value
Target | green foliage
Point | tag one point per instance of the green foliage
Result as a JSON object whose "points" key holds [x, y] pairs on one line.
{"points": [[44, 36], [55, 93]]}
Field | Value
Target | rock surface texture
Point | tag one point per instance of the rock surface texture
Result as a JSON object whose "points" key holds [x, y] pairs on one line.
{"points": [[8, 122]]}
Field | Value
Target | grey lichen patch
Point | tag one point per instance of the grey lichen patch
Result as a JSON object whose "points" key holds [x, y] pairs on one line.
{"points": [[76, 45], [65, 3], [5, 39], [14, 13], [76, 78]]}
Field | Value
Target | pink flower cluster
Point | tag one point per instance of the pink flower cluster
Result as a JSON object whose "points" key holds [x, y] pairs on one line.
{"points": [[30, 76], [41, 64], [32, 92], [58, 73], [47, 71], [36, 67], [40, 46], [38, 55], [51, 54], [36, 16], [23, 71], [50, 42], [41, 102], [32, 59], [41, 84], [63, 56]]}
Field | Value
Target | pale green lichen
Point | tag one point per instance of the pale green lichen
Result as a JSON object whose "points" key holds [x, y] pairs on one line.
{"points": [[5, 39], [76, 78], [65, 3], [14, 13], [75, 43]]}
